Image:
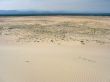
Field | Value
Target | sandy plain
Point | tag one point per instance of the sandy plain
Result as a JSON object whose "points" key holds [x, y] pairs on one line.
{"points": [[55, 49]]}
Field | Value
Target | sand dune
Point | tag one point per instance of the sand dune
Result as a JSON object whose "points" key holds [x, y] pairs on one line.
{"points": [[55, 49]]}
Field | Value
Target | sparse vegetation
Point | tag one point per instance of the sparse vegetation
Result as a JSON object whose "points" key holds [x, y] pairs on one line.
{"points": [[55, 29]]}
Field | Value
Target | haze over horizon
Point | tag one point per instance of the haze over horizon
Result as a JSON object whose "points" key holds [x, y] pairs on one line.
{"points": [[94, 6]]}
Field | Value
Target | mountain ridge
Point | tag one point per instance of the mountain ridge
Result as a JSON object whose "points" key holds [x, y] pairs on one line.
{"points": [[41, 12]]}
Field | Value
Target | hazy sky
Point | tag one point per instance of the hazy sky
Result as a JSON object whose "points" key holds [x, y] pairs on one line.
{"points": [[70, 5]]}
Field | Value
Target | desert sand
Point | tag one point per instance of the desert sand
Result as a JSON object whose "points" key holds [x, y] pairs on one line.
{"points": [[55, 49]]}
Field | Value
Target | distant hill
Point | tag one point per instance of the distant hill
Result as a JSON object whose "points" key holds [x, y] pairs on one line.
{"points": [[21, 12], [32, 12]]}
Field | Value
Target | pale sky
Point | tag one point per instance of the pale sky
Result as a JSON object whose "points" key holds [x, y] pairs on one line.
{"points": [[67, 5]]}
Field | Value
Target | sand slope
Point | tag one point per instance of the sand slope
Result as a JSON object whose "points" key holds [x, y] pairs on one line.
{"points": [[54, 49]]}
